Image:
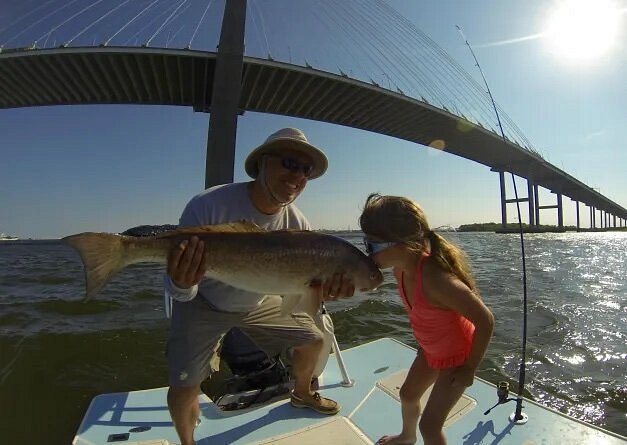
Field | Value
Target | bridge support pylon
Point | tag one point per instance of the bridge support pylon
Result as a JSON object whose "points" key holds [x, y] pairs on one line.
{"points": [[504, 201], [225, 96]]}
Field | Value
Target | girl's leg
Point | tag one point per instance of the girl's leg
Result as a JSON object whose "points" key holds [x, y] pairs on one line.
{"points": [[443, 397], [419, 378]]}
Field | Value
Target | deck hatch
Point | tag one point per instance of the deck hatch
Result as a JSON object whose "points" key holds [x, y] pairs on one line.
{"points": [[391, 385], [337, 430]]}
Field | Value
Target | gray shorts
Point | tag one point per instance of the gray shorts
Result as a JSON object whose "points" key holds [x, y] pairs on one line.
{"points": [[197, 330]]}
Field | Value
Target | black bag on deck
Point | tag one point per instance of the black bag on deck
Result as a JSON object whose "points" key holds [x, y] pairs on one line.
{"points": [[256, 377]]}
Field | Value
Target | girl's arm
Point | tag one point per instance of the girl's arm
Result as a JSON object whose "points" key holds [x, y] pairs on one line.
{"points": [[445, 290]]}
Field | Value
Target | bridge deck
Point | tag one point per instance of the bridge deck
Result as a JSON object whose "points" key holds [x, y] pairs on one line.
{"points": [[106, 75]]}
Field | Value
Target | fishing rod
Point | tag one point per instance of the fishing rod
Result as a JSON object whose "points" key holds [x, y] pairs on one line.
{"points": [[502, 391]]}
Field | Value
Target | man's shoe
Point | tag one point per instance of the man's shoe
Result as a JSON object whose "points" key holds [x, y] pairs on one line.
{"points": [[316, 402]]}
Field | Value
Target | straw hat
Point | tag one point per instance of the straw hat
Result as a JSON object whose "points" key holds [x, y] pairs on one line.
{"points": [[287, 139]]}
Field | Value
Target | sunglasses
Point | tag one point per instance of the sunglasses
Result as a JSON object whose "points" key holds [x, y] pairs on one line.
{"points": [[295, 166], [372, 247]]}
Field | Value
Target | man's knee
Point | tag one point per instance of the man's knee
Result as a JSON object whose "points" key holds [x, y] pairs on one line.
{"points": [[315, 341], [182, 395]]}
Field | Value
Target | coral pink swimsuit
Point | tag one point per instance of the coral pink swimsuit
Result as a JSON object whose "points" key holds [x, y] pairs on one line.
{"points": [[444, 335]]}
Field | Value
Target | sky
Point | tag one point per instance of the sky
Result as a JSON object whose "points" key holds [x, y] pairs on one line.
{"points": [[68, 169]]}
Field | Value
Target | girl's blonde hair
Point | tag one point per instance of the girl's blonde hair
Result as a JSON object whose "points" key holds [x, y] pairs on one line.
{"points": [[399, 219]]}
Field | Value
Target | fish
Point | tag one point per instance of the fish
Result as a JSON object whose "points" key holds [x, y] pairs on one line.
{"points": [[240, 254]]}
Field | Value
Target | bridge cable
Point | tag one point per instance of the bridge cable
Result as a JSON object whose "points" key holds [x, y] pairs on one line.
{"points": [[32, 11], [334, 18], [96, 21], [189, 45], [450, 63], [447, 63], [383, 50], [415, 34], [257, 30], [180, 13], [350, 26], [67, 20], [106, 42], [263, 28], [154, 19], [404, 59], [417, 75], [404, 52], [518, 414], [408, 53], [340, 44], [166, 22], [39, 21]]}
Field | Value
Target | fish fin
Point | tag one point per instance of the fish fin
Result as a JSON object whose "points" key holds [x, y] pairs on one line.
{"points": [[238, 226], [102, 256]]}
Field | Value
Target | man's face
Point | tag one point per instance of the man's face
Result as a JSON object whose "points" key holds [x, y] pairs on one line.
{"points": [[286, 173]]}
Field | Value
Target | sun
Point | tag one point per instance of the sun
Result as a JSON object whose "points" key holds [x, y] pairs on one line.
{"points": [[583, 30]]}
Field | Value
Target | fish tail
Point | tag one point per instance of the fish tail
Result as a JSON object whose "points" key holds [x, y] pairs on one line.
{"points": [[102, 255]]}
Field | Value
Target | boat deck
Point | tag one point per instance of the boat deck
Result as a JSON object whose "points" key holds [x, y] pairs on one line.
{"points": [[370, 409]]}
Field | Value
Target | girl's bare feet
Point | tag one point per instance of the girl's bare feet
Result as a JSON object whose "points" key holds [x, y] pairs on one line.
{"points": [[396, 440]]}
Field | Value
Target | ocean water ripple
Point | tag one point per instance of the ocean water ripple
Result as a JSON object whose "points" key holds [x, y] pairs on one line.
{"points": [[61, 351]]}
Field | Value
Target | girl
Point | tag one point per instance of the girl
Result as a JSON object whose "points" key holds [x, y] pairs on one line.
{"points": [[450, 322]]}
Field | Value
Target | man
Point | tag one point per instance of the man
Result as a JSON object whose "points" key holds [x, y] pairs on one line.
{"points": [[280, 167]]}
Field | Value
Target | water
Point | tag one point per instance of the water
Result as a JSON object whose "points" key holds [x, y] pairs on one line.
{"points": [[57, 353]]}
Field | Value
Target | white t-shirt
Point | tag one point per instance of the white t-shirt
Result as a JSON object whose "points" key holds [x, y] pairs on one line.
{"points": [[223, 204]]}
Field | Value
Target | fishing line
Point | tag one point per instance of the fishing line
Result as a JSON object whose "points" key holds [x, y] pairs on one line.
{"points": [[518, 416]]}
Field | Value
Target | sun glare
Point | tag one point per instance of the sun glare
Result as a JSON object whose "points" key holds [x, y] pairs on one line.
{"points": [[583, 30]]}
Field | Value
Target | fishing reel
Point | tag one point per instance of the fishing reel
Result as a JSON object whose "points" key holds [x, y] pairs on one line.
{"points": [[502, 392]]}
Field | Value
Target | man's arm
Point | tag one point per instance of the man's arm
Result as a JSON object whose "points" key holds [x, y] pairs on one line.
{"points": [[186, 261], [186, 267]]}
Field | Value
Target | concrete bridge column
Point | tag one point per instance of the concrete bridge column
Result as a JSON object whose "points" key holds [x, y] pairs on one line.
{"points": [[225, 96], [594, 218], [560, 212], [536, 203], [503, 199], [558, 206], [532, 207], [577, 212]]}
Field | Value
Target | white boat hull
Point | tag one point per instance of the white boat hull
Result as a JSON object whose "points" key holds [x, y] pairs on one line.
{"points": [[370, 409]]}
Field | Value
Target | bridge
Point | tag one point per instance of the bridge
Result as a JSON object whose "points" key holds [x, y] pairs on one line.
{"points": [[226, 83]]}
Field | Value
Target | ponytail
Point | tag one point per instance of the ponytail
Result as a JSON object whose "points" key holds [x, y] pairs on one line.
{"points": [[451, 259]]}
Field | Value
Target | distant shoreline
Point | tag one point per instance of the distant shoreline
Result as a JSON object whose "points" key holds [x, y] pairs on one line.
{"points": [[515, 228], [151, 230]]}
